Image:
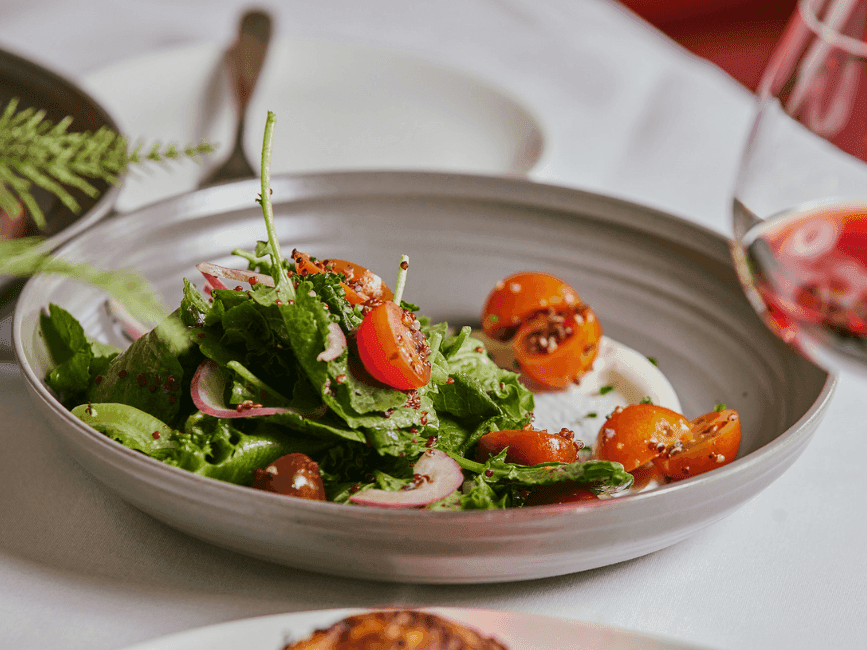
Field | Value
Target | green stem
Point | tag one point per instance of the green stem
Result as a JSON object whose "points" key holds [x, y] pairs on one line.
{"points": [[467, 464], [401, 278], [253, 380], [281, 279]]}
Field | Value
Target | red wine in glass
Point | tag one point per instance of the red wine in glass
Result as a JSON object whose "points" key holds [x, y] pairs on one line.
{"points": [[807, 272]]}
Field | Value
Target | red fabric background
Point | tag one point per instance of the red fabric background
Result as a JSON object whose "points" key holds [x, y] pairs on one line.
{"points": [[736, 35]]}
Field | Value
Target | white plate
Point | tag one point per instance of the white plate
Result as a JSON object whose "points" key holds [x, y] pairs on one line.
{"points": [[340, 106], [517, 631], [658, 284]]}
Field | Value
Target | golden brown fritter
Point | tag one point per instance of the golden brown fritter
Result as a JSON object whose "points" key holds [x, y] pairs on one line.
{"points": [[396, 630]]}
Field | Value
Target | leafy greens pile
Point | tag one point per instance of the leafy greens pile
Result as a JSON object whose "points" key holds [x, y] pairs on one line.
{"points": [[268, 343]]}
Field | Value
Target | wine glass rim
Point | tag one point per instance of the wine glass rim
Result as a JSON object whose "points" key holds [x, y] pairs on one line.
{"points": [[827, 30]]}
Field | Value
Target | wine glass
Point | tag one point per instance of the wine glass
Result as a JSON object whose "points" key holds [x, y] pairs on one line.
{"points": [[800, 202]]}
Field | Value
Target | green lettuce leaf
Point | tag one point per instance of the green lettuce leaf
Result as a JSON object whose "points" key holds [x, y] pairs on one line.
{"points": [[78, 359], [598, 473], [194, 306], [153, 374], [478, 494], [220, 449]]}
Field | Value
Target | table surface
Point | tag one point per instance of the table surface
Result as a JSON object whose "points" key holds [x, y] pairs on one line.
{"points": [[634, 116]]}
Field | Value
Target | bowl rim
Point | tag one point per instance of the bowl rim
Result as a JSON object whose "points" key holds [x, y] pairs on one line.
{"points": [[305, 186]]}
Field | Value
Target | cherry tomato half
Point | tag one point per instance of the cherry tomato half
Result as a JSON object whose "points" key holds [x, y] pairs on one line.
{"points": [[555, 349], [639, 433], [361, 284], [645, 475], [295, 475], [392, 348], [713, 442], [520, 296], [528, 446]]}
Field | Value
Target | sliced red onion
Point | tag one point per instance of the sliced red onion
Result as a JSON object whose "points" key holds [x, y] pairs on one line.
{"points": [[207, 389], [436, 475], [335, 343], [212, 283], [129, 324], [214, 271]]}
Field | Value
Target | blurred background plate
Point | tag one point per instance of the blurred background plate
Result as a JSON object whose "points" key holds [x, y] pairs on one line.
{"points": [[39, 88], [517, 631], [659, 284], [340, 106]]}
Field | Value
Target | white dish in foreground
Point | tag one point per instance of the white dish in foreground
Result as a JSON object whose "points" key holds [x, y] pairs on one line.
{"points": [[340, 106], [660, 285], [517, 631]]}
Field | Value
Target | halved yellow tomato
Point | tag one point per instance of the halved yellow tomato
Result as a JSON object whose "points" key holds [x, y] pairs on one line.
{"points": [[528, 446], [713, 442], [638, 433], [556, 349], [519, 297]]}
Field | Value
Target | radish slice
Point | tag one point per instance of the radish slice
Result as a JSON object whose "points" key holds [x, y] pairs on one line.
{"points": [[207, 389], [214, 271], [334, 344], [131, 327], [436, 476]]}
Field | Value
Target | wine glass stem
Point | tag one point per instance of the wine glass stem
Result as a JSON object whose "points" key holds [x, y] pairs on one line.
{"points": [[743, 220]]}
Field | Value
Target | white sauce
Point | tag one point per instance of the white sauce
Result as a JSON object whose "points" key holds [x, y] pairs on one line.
{"points": [[633, 378], [630, 374]]}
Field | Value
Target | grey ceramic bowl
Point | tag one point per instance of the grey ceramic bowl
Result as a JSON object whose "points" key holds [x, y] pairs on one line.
{"points": [[659, 284]]}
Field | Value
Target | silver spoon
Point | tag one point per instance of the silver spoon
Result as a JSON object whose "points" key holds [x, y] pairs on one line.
{"points": [[243, 60]]}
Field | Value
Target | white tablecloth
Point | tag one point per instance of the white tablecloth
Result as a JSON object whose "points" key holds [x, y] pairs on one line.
{"points": [[626, 113]]}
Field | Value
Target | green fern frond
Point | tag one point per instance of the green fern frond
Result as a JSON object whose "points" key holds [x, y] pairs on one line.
{"points": [[25, 256], [36, 152]]}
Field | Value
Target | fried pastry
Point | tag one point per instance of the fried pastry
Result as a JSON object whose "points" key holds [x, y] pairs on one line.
{"points": [[396, 630]]}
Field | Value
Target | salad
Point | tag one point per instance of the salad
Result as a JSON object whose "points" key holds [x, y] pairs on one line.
{"points": [[311, 378]]}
